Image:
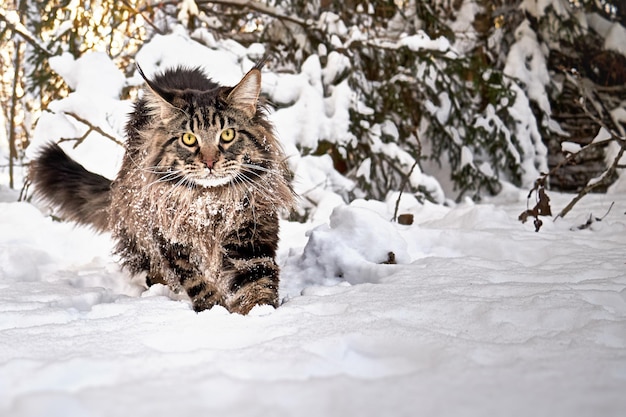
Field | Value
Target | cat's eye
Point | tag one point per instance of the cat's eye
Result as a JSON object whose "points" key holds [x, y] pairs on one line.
{"points": [[227, 135], [189, 139]]}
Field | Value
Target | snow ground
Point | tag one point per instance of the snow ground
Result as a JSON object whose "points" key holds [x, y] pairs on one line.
{"points": [[481, 317]]}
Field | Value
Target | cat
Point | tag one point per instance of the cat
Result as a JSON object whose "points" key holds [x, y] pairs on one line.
{"points": [[196, 202]]}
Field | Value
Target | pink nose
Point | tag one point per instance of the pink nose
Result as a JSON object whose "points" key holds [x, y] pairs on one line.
{"points": [[209, 163]]}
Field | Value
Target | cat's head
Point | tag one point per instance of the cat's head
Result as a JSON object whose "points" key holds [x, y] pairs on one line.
{"points": [[206, 135]]}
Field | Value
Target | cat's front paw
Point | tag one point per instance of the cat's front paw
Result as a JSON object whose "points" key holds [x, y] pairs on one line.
{"points": [[203, 296], [257, 293]]}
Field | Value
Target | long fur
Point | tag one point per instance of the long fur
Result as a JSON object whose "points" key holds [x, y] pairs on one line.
{"points": [[81, 195], [169, 210]]}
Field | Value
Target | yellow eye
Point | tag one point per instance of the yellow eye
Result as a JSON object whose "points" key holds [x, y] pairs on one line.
{"points": [[227, 135], [189, 139]]}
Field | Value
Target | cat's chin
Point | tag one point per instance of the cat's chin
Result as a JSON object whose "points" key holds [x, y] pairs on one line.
{"points": [[212, 182]]}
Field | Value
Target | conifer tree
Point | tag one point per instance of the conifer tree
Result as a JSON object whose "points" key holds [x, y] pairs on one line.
{"points": [[474, 92]]}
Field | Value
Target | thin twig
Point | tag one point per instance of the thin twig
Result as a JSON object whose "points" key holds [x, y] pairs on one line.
{"points": [[12, 127], [599, 105], [404, 181], [145, 18], [93, 128], [261, 8], [606, 175]]}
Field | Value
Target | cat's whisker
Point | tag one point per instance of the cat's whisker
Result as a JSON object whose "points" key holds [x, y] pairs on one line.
{"points": [[166, 178], [264, 180], [131, 159], [179, 184], [255, 172], [156, 169], [241, 182], [245, 183], [257, 168], [158, 172]]}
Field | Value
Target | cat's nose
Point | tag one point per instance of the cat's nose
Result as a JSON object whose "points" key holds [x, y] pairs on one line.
{"points": [[209, 163]]}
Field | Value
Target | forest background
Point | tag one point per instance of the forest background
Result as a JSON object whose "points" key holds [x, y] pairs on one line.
{"points": [[444, 99]]}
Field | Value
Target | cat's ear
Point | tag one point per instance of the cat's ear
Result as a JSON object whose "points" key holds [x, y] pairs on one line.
{"points": [[245, 95], [170, 99]]}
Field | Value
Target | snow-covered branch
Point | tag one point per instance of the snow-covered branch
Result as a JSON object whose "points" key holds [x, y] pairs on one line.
{"points": [[12, 20], [91, 128]]}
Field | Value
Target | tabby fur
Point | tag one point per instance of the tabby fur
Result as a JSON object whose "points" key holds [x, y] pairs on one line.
{"points": [[195, 204]]}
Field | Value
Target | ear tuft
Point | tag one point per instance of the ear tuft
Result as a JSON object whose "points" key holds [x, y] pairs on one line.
{"points": [[165, 94], [245, 95], [164, 101]]}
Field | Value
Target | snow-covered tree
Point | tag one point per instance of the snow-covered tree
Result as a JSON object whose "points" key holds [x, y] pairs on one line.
{"points": [[443, 99], [33, 32]]}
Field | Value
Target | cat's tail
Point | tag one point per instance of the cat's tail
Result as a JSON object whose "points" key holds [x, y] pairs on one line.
{"points": [[80, 195]]}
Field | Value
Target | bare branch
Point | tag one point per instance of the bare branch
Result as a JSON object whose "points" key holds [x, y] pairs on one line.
{"points": [[606, 176], [143, 15], [407, 177], [261, 8], [589, 93], [93, 128], [588, 90], [14, 103], [404, 182]]}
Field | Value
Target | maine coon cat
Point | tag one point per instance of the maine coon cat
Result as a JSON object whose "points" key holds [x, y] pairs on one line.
{"points": [[196, 201]]}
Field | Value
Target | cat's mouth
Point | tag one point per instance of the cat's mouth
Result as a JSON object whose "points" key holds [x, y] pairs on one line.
{"points": [[209, 178], [212, 182]]}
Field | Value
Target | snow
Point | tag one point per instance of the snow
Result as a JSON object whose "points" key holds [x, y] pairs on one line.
{"points": [[526, 62], [534, 151], [463, 25], [481, 316], [93, 74], [467, 157], [188, 8], [319, 186], [332, 23], [570, 147], [612, 32], [421, 40], [538, 8]]}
